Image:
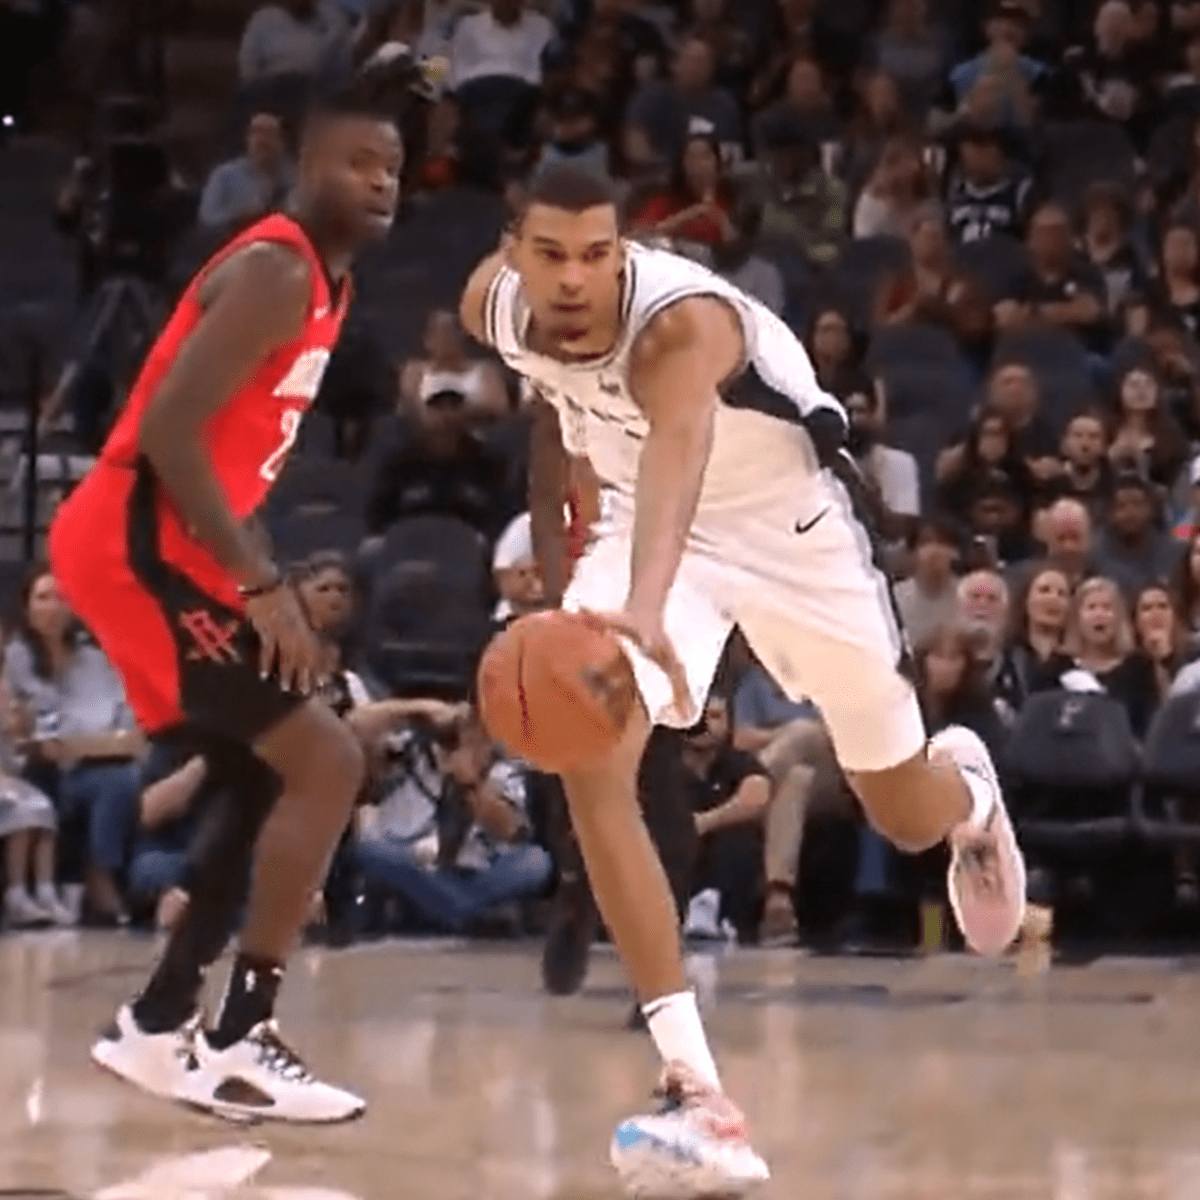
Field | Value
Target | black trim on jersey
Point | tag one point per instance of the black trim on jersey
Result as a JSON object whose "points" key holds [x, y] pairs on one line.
{"points": [[141, 528], [750, 391]]}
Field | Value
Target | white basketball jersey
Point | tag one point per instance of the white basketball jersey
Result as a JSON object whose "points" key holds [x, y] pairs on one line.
{"points": [[755, 456]]}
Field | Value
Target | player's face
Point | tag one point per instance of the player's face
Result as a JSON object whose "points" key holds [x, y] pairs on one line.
{"points": [[352, 165], [570, 264]]}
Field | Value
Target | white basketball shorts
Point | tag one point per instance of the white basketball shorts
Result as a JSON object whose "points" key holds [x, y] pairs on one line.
{"points": [[808, 599]]}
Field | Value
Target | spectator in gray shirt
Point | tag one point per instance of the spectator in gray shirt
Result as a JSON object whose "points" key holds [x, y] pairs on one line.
{"points": [[294, 38], [243, 189], [663, 113], [83, 742], [929, 599]]}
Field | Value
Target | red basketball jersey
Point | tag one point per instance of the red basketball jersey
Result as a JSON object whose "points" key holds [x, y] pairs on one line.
{"points": [[247, 441]]}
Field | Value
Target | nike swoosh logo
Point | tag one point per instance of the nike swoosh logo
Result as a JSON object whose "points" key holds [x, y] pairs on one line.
{"points": [[805, 526]]}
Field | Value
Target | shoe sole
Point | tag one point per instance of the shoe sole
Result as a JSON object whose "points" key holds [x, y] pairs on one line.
{"points": [[242, 1117], [653, 1168]]}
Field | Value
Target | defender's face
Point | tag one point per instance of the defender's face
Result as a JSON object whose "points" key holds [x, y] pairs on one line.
{"points": [[354, 166], [570, 264]]}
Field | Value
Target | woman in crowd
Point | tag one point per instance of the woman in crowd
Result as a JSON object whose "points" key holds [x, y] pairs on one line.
{"points": [[1099, 643], [83, 743], [1179, 275], [1187, 587], [952, 685], [1039, 623], [448, 367], [1145, 437], [836, 353], [1159, 634], [696, 204], [28, 827], [876, 120], [990, 447], [327, 592], [934, 291], [894, 191]]}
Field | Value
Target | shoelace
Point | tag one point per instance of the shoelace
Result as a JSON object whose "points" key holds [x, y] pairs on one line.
{"points": [[984, 864], [676, 1091], [277, 1056], [185, 1050]]}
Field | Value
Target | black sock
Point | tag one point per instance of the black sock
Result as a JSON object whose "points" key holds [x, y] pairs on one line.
{"points": [[173, 992], [239, 794], [250, 999]]}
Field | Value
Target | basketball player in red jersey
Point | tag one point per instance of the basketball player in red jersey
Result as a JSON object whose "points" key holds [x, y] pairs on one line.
{"points": [[153, 553]]}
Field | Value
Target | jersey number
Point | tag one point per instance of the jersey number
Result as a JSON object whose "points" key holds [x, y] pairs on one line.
{"points": [[289, 430]]}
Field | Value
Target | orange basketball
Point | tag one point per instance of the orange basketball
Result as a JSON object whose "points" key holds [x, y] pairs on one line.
{"points": [[556, 691]]}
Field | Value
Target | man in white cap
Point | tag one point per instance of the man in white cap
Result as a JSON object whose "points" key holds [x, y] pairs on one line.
{"points": [[515, 570]]}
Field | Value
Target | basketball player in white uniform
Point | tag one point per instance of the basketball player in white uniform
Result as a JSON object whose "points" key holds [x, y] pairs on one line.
{"points": [[701, 415]]}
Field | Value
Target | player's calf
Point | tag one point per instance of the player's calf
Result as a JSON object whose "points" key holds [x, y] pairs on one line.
{"points": [[951, 792]]}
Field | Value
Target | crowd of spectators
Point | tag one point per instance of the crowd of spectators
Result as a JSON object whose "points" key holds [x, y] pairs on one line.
{"points": [[984, 221]]}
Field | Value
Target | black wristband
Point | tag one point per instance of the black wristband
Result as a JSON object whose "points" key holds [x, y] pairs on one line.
{"points": [[251, 591]]}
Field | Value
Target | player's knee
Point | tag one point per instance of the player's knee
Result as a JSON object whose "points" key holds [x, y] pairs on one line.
{"points": [[317, 755], [345, 763], [892, 801]]}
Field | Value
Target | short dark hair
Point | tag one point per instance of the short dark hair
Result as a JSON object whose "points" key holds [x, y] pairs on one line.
{"points": [[938, 527], [370, 94], [572, 189]]}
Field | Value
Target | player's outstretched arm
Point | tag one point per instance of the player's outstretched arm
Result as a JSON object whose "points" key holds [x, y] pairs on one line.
{"points": [[254, 303], [678, 365]]}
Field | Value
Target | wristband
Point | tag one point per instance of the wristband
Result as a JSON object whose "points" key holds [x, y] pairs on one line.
{"points": [[252, 591]]}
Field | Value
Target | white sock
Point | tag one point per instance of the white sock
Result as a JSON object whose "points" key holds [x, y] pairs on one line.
{"points": [[678, 1033], [45, 892], [16, 892]]}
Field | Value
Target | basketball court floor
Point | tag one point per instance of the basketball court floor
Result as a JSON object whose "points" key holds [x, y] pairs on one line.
{"points": [[933, 1079]]}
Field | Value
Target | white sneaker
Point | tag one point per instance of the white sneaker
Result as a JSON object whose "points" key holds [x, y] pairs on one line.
{"points": [[986, 881], [22, 911], [703, 920], [54, 908], [261, 1078], [695, 1146], [158, 1063]]}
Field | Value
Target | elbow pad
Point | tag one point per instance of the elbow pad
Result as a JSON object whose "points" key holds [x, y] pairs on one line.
{"points": [[827, 428]]}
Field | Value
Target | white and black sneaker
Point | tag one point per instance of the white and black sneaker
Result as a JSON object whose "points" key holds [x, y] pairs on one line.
{"points": [[261, 1078], [158, 1063]]}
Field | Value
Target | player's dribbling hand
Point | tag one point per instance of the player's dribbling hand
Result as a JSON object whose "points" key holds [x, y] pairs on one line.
{"points": [[289, 645], [649, 636]]}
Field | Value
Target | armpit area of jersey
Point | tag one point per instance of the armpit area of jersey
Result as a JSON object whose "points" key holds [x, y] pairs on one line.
{"points": [[826, 424]]}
